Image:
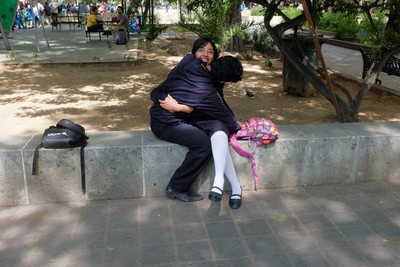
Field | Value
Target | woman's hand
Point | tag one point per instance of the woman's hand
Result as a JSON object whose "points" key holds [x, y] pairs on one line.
{"points": [[170, 104]]}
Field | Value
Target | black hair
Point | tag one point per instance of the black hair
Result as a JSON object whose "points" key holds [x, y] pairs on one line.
{"points": [[201, 42], [121, 7], [227, 69]]}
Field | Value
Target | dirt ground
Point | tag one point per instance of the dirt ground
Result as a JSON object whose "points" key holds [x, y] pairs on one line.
{"points": [[115, 97]]}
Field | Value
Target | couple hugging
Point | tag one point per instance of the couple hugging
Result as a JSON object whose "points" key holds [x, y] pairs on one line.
{"points": [[189, 109]]}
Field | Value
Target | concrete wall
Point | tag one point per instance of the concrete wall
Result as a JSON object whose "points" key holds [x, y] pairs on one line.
{"points": [[137, 164]]}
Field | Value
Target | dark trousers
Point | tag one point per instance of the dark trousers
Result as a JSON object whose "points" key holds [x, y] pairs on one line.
{"points": [[199, 145], [95, 27]]}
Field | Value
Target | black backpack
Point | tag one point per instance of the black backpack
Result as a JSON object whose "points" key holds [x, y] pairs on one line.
{"points": [[65, 134]]}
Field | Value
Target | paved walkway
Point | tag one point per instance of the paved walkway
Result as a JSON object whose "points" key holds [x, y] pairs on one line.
{"points": [[333, 225], [66, 46], [349, 63]]}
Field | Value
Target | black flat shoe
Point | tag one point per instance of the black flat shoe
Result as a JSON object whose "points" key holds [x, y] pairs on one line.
{"points": [[235, 203], [185, 197], [214, 196]]}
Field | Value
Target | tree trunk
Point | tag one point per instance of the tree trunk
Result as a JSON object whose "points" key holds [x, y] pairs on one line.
{"points": [[348, 107], [234, 16]]}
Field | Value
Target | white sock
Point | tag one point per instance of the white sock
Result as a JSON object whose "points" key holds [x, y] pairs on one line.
{"points": [[219, 145], [231, 175], [223, 164]]}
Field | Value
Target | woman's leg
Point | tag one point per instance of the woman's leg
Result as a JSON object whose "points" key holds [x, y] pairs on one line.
{"points": [[219, 145], [198, 143], [223, 163], [231, 175]]}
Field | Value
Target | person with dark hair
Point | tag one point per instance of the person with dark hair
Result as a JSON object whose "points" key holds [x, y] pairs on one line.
{"points": [[188, 110], [92, 22], [122, 24]]}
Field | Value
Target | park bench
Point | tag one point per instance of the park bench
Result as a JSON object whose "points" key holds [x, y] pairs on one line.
{"points": [[72, 21], [392, 66], [103, 32]]}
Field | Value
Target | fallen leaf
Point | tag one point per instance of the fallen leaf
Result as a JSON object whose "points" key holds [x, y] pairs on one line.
{"points": [[281, 218]]}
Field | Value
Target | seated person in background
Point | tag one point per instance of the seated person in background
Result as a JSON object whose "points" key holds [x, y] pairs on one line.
{"points": [[123, 22], [93, 24]]}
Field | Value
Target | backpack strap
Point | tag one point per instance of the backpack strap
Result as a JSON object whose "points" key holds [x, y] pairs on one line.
{"points": [[82, 159], [72, 126], [235, 145], [76, 128], [35, 158], [83, 175]]}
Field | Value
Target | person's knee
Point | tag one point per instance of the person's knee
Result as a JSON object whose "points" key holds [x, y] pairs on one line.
{"points": [[204, 145], [219, 134]]}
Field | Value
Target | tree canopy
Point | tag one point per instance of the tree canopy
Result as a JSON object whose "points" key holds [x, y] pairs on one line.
{"points": [[384, 43]]}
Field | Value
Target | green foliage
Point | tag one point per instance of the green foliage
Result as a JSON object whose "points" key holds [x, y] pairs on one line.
{"points": [[367, 34], [239, 30], [11, 54], [210, 21], [262, 42], [249, 54], [344, 24], [109, 45], [386, 35], [291, 12], [257, 11], [154, 31]]}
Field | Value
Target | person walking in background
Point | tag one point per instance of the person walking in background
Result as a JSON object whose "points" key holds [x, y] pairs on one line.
{"points": [[29, 17], [47, 13], [20, 22], [37, 13], [24, 15], [53, 10]]}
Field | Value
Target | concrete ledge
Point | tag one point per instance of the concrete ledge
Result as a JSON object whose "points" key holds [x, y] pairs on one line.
{"points": [[137, 164]]}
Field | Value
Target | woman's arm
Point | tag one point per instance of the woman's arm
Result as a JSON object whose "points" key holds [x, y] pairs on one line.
{"points": [[170, 104]]}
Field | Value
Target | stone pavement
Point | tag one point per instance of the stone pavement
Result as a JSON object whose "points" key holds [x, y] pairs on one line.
{"points": [[66, 46], [331, 225]]}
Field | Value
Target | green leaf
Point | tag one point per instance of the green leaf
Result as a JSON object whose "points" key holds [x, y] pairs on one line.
{"points": [[281, 218]]}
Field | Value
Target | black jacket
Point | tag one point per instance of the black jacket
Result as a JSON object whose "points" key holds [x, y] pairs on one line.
{"points": [[191, 84]]}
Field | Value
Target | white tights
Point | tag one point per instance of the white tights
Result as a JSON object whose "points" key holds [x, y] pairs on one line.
{"points": [[223, 163]]}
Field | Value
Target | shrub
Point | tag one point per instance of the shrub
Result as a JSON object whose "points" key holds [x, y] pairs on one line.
{"points": [[366, 34], [257, 11], [291, 12], [344, 24], [262, 42]]}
